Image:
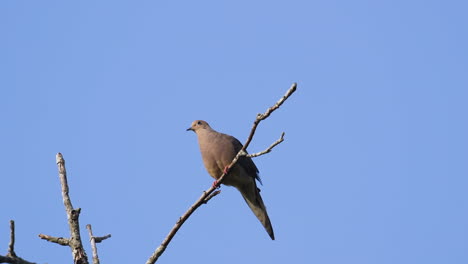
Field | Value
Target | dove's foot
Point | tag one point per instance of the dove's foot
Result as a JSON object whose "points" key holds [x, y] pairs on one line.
{"points": [[216, 184]]}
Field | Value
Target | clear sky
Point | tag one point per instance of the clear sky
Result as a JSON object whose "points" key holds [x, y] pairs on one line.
{"points": [[373, 168]]}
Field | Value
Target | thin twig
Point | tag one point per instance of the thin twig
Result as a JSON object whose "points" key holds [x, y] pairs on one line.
{"points": [[160, 250], [281, 139], [257, 121], [11, 246], [100, 239], [211, 196], [267, 113]]}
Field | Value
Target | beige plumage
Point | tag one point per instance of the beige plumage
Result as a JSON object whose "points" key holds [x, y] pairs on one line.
{"points": [[218, 150]]}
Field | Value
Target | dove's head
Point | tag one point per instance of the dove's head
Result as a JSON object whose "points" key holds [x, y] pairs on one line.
{"points": [[198, 125]]}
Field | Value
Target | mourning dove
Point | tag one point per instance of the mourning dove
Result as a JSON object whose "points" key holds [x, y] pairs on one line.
{"points": [[218, 150]]}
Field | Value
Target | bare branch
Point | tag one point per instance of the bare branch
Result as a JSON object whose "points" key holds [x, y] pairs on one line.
{"points": [[211, 196], [78, 252], [5, 259], [11, 256], [64, 182], [281, 139], [93, 244], [267, 113], [158, 252], [15, 260], [100, 239], [58, 240], [11, 246], [95, 240], [257, 121], [208, 193]]}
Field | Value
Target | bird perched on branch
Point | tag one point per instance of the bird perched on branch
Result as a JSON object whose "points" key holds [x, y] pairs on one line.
{"points": [[218, 150]]}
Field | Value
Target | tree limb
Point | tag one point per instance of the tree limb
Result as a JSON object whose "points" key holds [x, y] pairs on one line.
{"points": [[95, 240], [11, 256], [74, 242], [11, 246], [204, 197], [57, 240]]}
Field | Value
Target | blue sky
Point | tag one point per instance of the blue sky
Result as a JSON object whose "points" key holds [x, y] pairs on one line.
{"points": [[373, 168]]}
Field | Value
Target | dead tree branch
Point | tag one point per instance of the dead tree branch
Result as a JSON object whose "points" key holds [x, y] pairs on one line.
{"points": [[11, 256], [100, 239], [58, 240], [93, 244], [207, 194], [281, 139], [11, 246], [74, 242], [95, 240]]}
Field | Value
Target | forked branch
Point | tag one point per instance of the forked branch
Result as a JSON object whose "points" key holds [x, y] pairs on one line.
{"points": [[208, 194], [11, 256], [74, 242], [93, 241], [253, 155]]}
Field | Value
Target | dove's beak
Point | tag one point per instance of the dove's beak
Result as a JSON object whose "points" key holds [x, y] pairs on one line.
{"points": [[189, 129]]}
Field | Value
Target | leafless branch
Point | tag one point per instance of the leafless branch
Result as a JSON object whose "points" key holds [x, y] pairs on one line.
{"points": [[74, 242], [281, 139], [93, 244], [11, 256], [213, 194], [11, 246], [95, 240], [100, 239], [14, 260], [58, 240], [203, 199]]}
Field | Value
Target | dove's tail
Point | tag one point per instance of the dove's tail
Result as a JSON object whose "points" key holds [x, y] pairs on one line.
{"points": [[253, 199]]}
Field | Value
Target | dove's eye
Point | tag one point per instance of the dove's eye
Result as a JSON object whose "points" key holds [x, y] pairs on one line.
{"points": [[199, 122]]}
